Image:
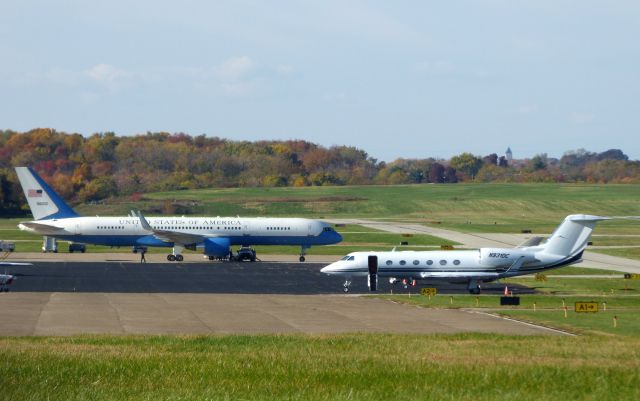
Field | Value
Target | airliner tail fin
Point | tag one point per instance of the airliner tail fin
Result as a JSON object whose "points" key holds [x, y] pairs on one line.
{"points": [[43, 201]]}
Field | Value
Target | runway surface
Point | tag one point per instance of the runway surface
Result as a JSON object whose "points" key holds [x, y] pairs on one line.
{"points": [[69, 298], [198, 278]]}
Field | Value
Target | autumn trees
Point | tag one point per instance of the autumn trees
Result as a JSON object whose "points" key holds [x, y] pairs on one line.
{"points": [[105, 165]]}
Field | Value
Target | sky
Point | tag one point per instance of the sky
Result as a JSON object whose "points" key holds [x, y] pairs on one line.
{"points": [[411, 79]]}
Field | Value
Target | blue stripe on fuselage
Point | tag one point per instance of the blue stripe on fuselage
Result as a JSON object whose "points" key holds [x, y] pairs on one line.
{"points": [[150, 240]]}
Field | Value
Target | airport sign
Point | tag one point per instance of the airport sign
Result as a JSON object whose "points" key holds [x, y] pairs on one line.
{"points": [[428, 291], [586, 307]]}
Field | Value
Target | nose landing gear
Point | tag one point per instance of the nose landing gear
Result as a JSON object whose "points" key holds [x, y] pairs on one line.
{"points": [[303, 251], [346, 285]]}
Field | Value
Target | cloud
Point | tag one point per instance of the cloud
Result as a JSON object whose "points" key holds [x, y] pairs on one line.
{"points": [[235, 69], [107, 75], [581, 118]]}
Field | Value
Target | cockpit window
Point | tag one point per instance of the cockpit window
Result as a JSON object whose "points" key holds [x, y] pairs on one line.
{"points": [[327, 229], [348, 258]]}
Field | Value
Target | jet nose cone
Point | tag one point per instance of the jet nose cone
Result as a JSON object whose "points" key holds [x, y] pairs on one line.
{"points": [[328, 269]]}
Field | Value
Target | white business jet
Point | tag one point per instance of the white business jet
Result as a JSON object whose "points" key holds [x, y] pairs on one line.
{"points": [[5, 278], [214, 235], [564, 247]]}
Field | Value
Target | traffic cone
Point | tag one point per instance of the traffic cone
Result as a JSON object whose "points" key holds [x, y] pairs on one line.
{"points": [[506, 290]]}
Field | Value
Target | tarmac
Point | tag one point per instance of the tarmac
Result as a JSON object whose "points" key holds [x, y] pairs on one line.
{"points": [[123, 297]]}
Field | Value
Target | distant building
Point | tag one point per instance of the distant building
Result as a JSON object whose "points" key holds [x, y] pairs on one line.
{"points": [[509, 155]]}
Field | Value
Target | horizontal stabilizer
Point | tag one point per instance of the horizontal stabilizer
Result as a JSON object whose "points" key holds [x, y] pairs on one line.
{"points": [[40, 228]]}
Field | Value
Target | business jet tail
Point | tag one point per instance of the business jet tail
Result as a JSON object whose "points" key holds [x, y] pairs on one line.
{"points": [[44, 202], [572, 235]]}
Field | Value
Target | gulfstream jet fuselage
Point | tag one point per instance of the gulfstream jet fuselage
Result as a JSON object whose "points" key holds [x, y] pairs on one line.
{"points": [[564, 247]]}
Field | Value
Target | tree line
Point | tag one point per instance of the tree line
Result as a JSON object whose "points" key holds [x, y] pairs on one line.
{"points": [[104, 165]]}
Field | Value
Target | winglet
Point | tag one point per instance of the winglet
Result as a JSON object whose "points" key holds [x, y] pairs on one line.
{"points": [[143, 222]]}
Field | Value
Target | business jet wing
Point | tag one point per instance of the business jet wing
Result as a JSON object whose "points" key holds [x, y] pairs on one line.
{"points": [[41, 228], [168, 235], [533, 241], [2, 263], [459, 275]]}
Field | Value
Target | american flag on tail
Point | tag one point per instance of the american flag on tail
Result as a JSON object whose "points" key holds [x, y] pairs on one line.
{"points": [[34, 193]]}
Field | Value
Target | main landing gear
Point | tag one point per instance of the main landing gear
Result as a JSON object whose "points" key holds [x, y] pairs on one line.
{"points": [[474, 287], [176, 255]]}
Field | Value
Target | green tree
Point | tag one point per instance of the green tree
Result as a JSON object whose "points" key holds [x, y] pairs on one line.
{"points": [[467, 164]]}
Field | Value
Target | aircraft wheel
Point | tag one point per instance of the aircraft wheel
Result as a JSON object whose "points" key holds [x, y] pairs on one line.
{"points": [[346, 289], [302, 259], [171, 258], [211, 257], [179, 258]]}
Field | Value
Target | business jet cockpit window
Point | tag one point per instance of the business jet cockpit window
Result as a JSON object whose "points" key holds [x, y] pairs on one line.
{"points": [[348, 258]]}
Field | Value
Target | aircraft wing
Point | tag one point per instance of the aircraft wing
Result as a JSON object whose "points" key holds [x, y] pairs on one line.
{"points": [[15, 264], [41, 228], [168, 235], [459, 275]]}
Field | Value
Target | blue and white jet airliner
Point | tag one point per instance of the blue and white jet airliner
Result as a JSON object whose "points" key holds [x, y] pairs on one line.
{"points": [[215, 235]]}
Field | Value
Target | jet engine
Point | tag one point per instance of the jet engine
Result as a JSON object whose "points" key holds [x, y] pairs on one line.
{"points": [[218, 247]]}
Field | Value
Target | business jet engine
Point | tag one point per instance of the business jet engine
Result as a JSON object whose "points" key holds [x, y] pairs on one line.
{"points": [[217, 247]]}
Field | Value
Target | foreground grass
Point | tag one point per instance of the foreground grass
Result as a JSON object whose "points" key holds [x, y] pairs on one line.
{"points": [[340, 367]]}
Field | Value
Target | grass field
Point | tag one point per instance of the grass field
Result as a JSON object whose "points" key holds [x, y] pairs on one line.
{"points": [[488, 207], [602, 363], [508, 208], [621, 296], [339, 367]]}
